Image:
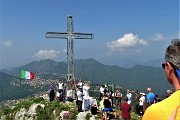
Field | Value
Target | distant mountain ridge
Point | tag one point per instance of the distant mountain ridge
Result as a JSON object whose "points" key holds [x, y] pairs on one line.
{"points": [[138, 77], [40, 66], [154, 63], [129, 63]]}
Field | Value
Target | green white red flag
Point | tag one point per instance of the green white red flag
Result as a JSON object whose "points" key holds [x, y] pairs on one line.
{"points": [[26, 74]]}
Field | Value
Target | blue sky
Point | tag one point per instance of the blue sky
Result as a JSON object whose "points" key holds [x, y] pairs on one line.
{"points": [[124, 30]]}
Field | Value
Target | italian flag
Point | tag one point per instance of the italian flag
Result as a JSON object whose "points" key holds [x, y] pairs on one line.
{"points": [[26, 74]]}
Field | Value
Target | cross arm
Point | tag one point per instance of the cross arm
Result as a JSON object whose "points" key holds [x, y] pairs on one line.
{"points": [[56, 35], [65, 35], [83, 35]]}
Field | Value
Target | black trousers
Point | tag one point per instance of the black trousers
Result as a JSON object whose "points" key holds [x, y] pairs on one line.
{"points": [[79, 103], [141, 111], [52, 95], [61, 90], [118, 104], [137, 108]]}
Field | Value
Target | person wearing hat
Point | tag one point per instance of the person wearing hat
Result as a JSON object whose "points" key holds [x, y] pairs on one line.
{"points": [[169, 108]]}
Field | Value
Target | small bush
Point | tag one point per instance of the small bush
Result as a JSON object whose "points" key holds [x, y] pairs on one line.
{"points": [[6, 111], [15, 109], [25, 104], [38, 100], [74, 112], [42, 114], [1, 114]]}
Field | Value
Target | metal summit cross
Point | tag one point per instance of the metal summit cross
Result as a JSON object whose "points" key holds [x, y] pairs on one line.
{"points": [[70, 35]]}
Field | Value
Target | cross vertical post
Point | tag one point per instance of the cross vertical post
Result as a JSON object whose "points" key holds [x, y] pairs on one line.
{"points": [[70, 35], [70, 50]]}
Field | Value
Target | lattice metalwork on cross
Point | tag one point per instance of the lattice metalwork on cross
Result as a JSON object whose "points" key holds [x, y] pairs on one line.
{"points": [[70, 35]]}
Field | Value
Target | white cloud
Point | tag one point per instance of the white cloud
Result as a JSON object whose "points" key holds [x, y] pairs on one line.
{"points": [[126, 42], [47, 54], [158, 37], [8, 43]]}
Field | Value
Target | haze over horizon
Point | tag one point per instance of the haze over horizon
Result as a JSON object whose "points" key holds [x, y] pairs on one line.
{"points": [[124, 30]]}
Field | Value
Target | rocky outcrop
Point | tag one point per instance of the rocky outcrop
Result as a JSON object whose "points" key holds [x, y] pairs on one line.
{"points": [[30, 114], [82, 116], [39, 107]]}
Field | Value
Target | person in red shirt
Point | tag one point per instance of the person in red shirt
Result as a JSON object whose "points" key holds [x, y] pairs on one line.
{"points": [[126, 108]]}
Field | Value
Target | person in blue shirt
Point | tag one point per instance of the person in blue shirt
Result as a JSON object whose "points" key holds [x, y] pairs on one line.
{"points": [[150, 96], [52, 94]]}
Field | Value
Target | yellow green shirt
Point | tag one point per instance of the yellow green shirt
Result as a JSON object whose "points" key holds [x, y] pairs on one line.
{"points": [[168, 109], [102, 104]]}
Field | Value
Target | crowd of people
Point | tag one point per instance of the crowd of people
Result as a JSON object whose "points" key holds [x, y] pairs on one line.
{"points": [[147, 105], [79, 94], [59, 95], [109, 100], [115, 101]]}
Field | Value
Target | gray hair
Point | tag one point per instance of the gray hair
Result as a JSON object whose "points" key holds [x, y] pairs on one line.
{"points": [[149, 89], [169, 91], [172, 54]]}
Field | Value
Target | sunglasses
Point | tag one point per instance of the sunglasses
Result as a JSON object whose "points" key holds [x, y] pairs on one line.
{"points": [[177, 71], [163, 65]]}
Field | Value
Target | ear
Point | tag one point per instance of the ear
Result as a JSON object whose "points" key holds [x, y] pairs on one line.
{"points": [[170, 70]]}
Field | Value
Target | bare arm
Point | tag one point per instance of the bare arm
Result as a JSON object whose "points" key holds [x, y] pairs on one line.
{"points": [[110, 101]]}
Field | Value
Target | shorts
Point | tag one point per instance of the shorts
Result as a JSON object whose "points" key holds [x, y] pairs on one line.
{"points": [[108, 110]]}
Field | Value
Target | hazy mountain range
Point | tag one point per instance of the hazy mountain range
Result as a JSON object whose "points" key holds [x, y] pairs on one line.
{"points": [[128, 63], [137, 77]]}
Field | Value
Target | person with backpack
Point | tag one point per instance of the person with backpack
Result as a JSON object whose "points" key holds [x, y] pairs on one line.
{"points": [[118, 97]]}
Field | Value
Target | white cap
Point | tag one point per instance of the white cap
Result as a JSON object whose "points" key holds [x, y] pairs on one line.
{"points": [[142, 93]]}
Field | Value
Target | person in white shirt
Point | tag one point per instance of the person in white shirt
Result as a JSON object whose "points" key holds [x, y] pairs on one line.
{"points": [[129, 95], [80, 84], [101, 90], [58, 95], [141, 104], [79, 99], [61, 86], [86, 88], [69, 95]]}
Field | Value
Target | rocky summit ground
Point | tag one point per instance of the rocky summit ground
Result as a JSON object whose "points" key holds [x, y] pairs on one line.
{"points": [[39, 108]]}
